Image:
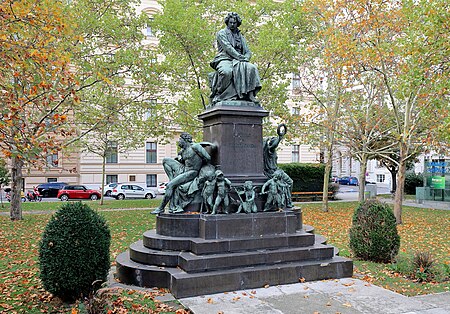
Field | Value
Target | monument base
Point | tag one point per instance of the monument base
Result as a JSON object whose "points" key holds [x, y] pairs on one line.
{"points": [[195, 254]]}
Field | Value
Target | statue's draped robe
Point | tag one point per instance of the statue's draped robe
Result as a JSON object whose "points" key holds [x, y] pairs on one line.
{"points": [[235, 78]]}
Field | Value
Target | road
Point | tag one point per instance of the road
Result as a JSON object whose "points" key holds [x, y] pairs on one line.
{"points": [[350, 192]]}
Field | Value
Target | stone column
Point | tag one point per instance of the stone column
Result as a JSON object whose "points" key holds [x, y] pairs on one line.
{"points": [[237, 131]]}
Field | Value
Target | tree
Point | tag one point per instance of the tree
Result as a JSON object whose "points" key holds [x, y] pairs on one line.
{"points": [[4, 178], [121, 75], [403, 45], [57, 59], [365, 123], [186, 31], [123, 127], [36, 85], [319, 75]]}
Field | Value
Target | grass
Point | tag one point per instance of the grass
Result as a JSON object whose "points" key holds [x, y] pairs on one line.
{"points": [[390, 196], [22, 292], [107, 205], [422, 230]]}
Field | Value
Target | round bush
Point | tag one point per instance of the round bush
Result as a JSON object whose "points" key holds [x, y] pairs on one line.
{"points": [[373, 235], [74, 252]]}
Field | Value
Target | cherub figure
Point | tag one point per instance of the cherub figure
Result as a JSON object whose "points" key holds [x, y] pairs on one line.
{"points": [[223, 185], [249, 205], [276, 193], [208, 192]]}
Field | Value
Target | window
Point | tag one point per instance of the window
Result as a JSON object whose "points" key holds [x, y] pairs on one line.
{"points": [[296, 111], [151, 180], [50, 180], [148, 30], [111, 178], [132, 178], [150, 153], [295, 153], [296, 83], [111, 153], [150, 112], [381, 178], [52, 160]]}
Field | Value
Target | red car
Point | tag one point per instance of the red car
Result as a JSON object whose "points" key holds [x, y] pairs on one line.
{"points": [[78, 192]]}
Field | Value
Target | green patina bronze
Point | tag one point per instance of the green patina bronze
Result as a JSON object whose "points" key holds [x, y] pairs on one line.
{"points": [[271, 163], [187, 173], [235, 77], [247, 198]]}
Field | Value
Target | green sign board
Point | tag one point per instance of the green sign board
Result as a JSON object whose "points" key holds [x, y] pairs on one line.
{"points": [[438, 182]]}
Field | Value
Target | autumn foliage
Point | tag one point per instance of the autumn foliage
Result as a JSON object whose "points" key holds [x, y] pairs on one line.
{"points": [[35, 77], [37, 86]]}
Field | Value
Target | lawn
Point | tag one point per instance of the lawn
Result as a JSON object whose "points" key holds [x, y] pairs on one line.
{"points": [[22, 292], [107, 205], [422, 230]]}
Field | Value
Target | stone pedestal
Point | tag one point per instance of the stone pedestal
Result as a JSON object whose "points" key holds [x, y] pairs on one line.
{"points": [[236, 128], [196, 254]]}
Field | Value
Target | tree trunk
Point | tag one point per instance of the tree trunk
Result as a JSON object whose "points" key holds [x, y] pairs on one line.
{"points": [[393, 179], [326, 178], [362, 178], [398, 200], [16, 188], [1, 196], [103, 177]]}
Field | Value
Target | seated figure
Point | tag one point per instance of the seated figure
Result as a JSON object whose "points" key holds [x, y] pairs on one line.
{"points": [[235, 77], [187, 173]]}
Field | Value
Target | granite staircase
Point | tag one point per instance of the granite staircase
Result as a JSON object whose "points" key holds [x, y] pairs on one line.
{"points": [[197, 254]]}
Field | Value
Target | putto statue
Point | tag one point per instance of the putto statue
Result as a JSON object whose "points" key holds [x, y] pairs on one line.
{"points": [[247, 198], [187, 173], [235, 77]]}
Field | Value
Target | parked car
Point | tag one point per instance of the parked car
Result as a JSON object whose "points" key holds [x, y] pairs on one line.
{"points": [[348, 180], [50, 189], [110, 187], [334, 179], [162, 188], [78, 192], [127, 190]]}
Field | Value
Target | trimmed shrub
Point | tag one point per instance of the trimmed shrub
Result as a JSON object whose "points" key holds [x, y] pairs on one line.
{"points": [[373, 235], [74, 252], [306, 177], [412, 181]]}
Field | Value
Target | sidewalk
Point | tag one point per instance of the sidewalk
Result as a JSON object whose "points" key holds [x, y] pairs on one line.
{"points": [[346, 296]]}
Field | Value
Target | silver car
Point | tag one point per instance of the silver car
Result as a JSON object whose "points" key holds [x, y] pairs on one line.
{"points": [[127, 190]]}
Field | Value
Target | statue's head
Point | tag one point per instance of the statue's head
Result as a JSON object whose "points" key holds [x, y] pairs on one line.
{"points": [[248, 185], [278, 174], [219, 174], [185, 138], [233, 16]]}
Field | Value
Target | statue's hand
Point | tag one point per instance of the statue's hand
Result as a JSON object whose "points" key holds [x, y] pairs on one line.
{"points": [[243, 59]]}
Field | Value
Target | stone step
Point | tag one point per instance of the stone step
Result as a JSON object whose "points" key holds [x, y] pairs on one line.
{"points": [[200, 246], [191, 262], [183, 284]]}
